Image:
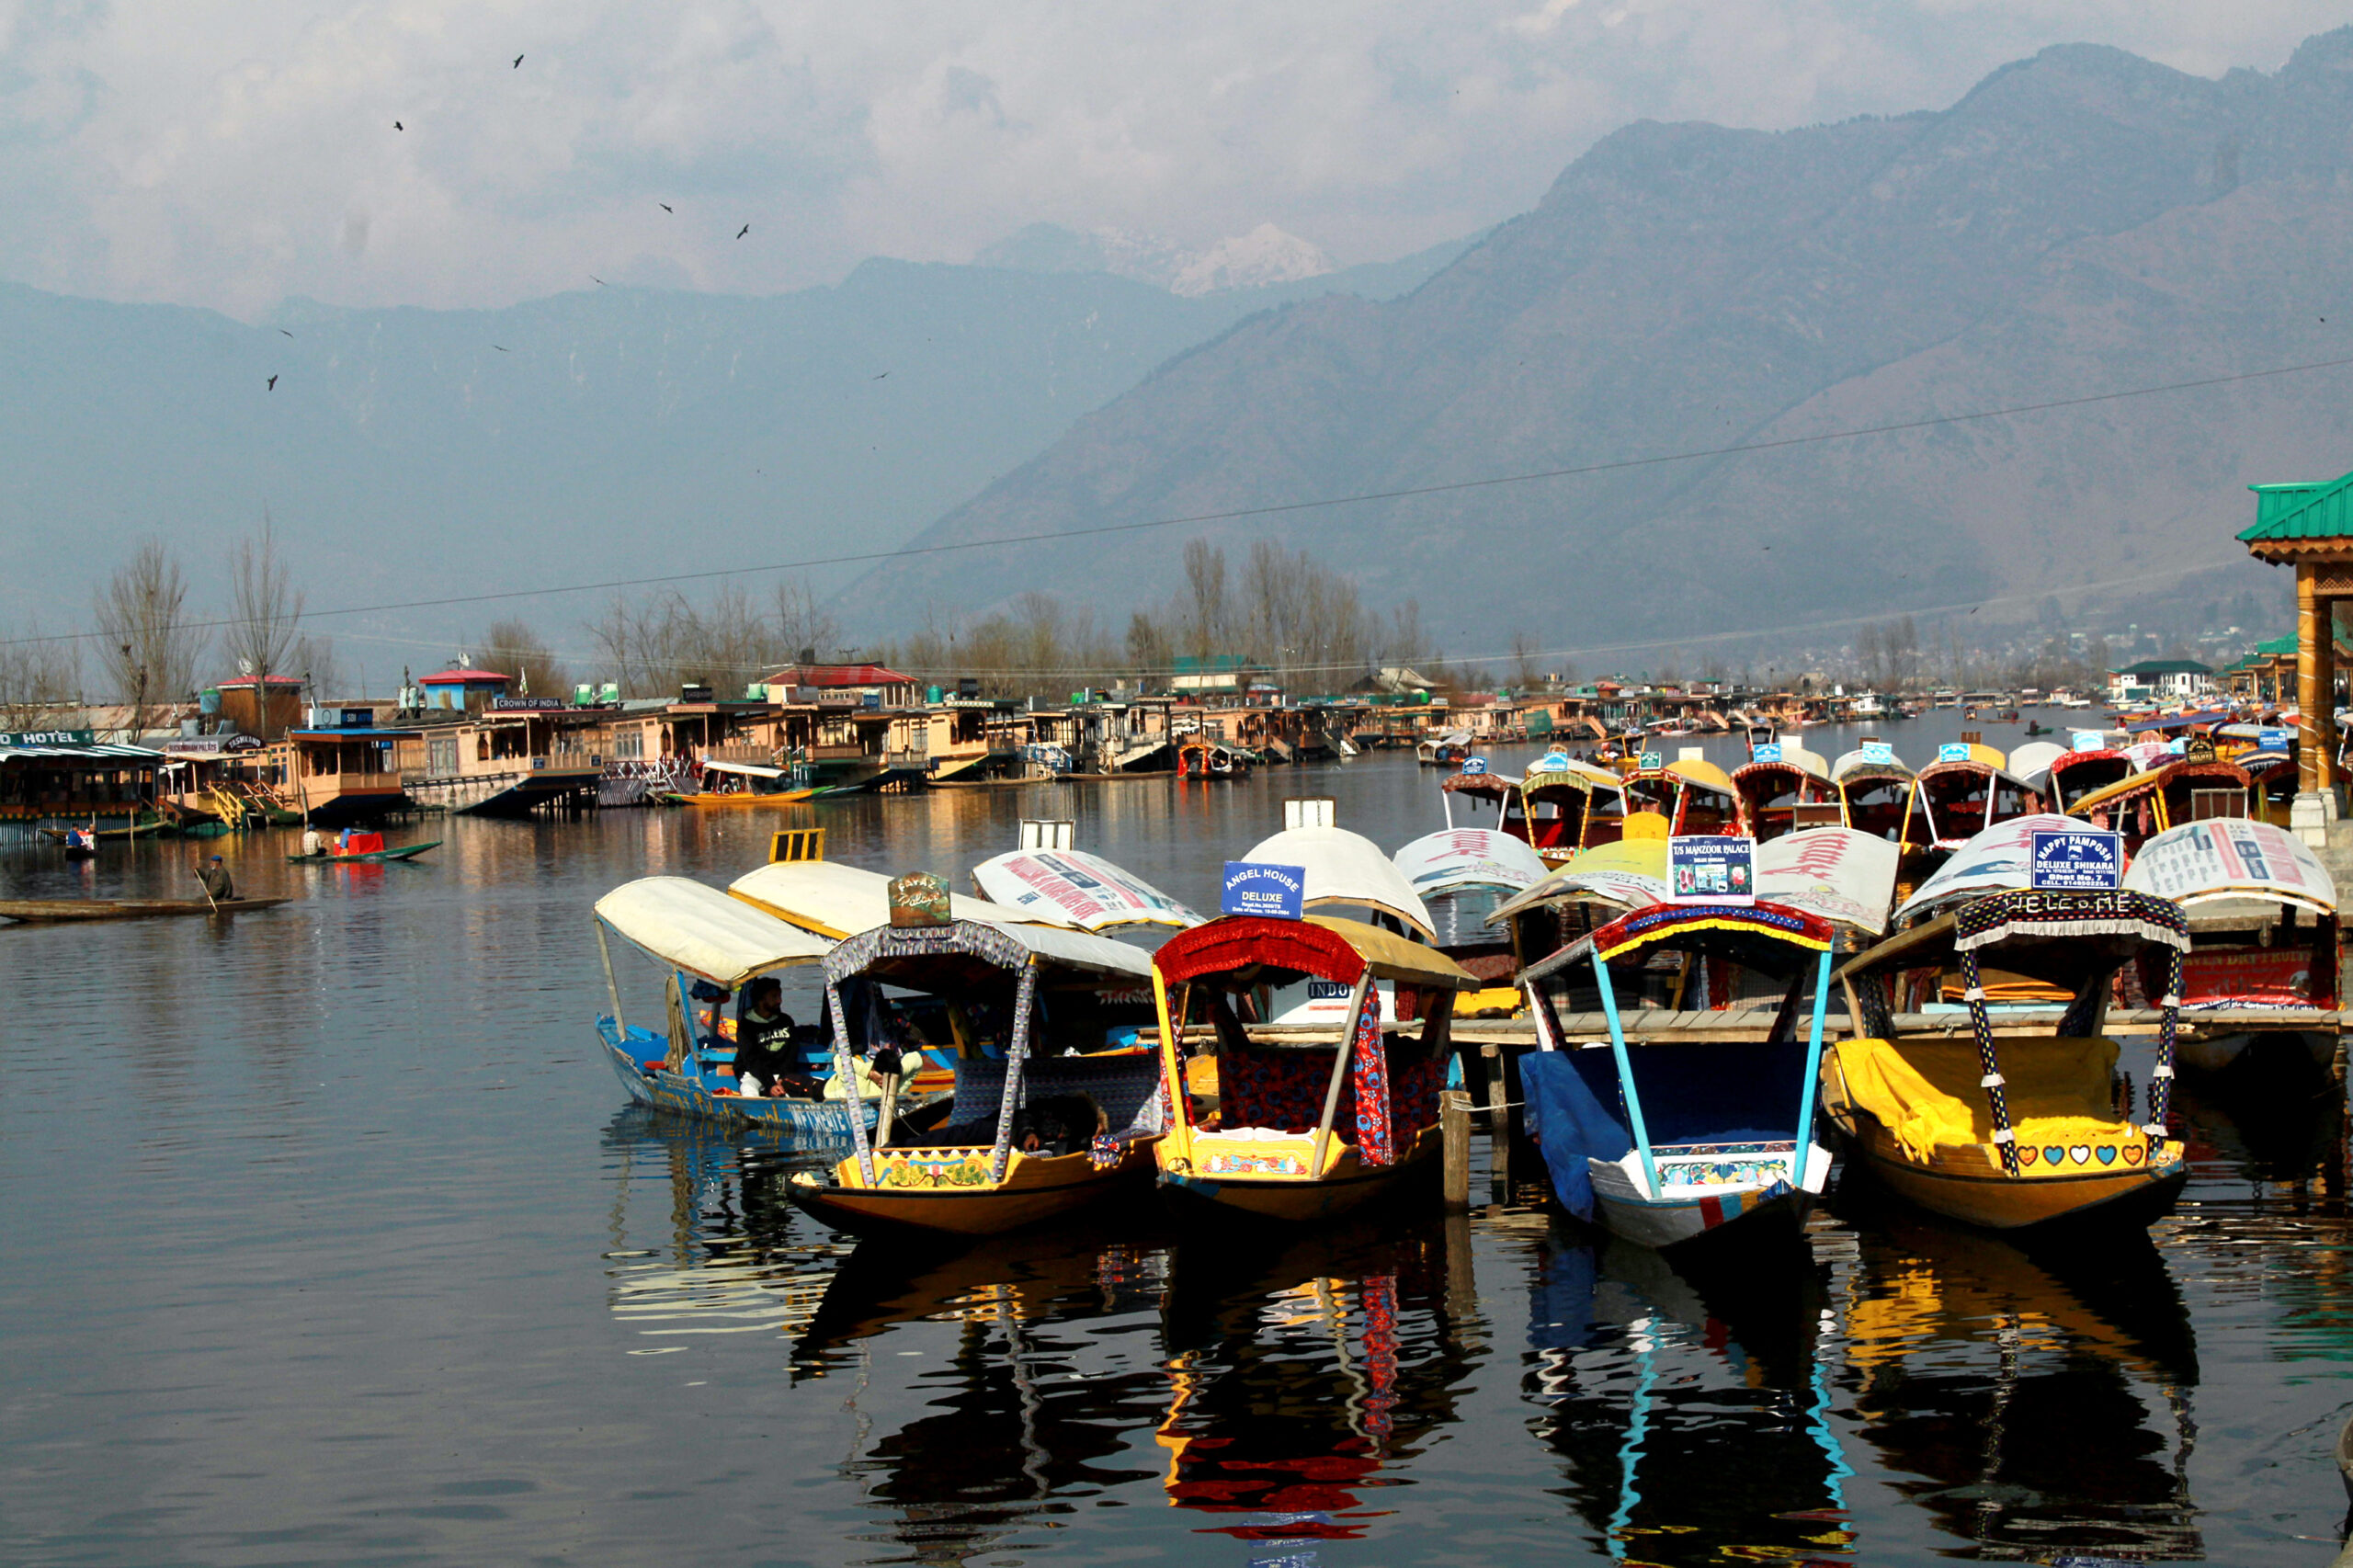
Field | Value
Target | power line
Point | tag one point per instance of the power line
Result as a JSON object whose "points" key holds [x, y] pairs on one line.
{"points": [[1277, 509]]}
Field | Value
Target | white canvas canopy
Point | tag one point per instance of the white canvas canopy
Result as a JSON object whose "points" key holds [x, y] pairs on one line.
{"points": [[2231, 858], [750, 769], [2032, 760], [1050, 947], [1847, 878], [837, 900], [1463, 858], [1071, 887], [1807, 761], [1849, 761], [1346, 867], [1997, 860], [691, 927]]}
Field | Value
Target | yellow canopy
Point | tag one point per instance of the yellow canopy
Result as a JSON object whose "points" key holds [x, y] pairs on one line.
{"points": [[1392, 957], [1926, 1092], [1700, 771]]}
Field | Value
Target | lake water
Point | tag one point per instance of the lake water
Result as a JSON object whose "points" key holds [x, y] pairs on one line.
{"points": [[330, 1239]]}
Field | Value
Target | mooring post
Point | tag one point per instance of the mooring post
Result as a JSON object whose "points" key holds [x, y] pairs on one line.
{"points": [[1454, 1141], [1498, 1124]]}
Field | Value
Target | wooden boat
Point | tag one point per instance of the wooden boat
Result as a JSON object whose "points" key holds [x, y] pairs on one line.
{"points": [[745, 785], [1784, 788], [45, 911], [1695, 796], [2193, 789], [1874, 790], [2264, 941], [1715, 1140], [710, 947], [2013, 1128], [1966, 790], [1074, 888], [150, 826], [2272, 784], [1571, 806], [1589, 889], [1451, 750], [1008, 1154], [1475, 784], [367, 848], [1463, 876], [1267, 1152]]}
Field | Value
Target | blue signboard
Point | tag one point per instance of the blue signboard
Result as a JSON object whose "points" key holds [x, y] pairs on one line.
{"points": [[1878, 751], [2088, 740], [1769, 752], [1252, 887], [1711, 869], [1651, 760], [1474, 766], [2077, 860], [2272, 740], [1552, 762], [1953, 751]]}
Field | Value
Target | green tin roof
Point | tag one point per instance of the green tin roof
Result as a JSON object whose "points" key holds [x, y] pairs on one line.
{"points": [[2278, 646], [2320, 509]]}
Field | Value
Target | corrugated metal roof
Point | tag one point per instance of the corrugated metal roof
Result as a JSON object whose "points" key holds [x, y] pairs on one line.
{"points": [[2319, 509], [96, 753]]}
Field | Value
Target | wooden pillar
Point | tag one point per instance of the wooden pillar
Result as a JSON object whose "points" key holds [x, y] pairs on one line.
{"points": [[2315, 683], [1454, 1146], [1499, 1125]]}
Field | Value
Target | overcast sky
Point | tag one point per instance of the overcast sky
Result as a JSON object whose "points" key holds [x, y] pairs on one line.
{"points": [[233, 154]]}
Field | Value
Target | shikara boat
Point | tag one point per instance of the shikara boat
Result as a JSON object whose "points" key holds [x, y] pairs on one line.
{"points": [[1695, 796], [1450, 750], [1310, 1123], [1966, 790], [2013, 1128], [1874, 790], [366, 849], [710, 948], [1474, 785], [1348, 870], [41, 911], [2263, 938], [2075, 774], [1699, 1133], [1461, 876], [1589, 889], [148, 827], [741, 785], [1786, 788], [1033, 1134], [2187, 790], [2272, 784], [1078, 889], [1571, 806], [830, 899]]}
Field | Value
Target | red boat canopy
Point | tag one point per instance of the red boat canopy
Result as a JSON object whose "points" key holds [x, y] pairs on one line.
{"points": [[1247, 951]]}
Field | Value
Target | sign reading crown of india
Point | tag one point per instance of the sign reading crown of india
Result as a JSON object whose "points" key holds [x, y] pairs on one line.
{"points": [[1254, 887], [2076, 860], [1711, 869]]}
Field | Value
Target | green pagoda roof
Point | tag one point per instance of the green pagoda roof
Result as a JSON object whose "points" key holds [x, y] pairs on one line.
{"points": [[2319, 509]]}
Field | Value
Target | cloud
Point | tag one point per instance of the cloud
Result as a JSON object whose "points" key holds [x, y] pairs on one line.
{"points": [[233, 155]]}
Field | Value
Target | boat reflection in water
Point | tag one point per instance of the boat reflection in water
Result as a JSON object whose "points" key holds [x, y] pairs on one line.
{"points": [[2042, 1400], [1694, 1416]]}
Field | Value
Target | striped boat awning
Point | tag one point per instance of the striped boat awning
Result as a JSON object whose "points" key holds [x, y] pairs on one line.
{"points": [[121, 755]]}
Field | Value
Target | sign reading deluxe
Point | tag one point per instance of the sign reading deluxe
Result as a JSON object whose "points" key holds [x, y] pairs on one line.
{"points": [[1272, 892]]}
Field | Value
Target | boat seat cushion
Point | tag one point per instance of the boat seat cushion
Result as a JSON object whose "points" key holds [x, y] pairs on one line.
{"points": [[1127, 1088], [1926, 1092]]}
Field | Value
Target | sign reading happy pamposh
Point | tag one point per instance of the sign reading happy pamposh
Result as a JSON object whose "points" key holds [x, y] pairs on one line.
{"points": [[2081, 860], [1252, 887]]}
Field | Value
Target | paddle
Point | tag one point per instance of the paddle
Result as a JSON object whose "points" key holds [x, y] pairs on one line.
{"points": [[199, 875]]}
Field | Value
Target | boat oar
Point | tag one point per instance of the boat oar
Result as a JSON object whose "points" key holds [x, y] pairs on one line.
{"points": [[208, 891]]}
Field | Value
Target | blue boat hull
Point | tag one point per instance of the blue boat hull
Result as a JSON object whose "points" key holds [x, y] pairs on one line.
{"points": [[814, 1121]]}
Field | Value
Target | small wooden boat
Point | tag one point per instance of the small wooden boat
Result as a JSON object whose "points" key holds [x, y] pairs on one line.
{"points": [[2190, 788], [1873, 788], [148, 827], [1267, 1152], [1966, 790], [1571, 806], [750, 784], [1715, 1137], [1783, 789], [712, 948], [42, 911], [380, 854], [2016, 1128], [1501, 790], [1463, 875], [1012, 1150]]}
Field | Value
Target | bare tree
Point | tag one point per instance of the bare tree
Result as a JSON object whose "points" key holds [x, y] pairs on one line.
{"points": [[40, 678], [1202, 616], [512, 647], [148, 652], [265, 611], [802, 625], [1527, 674]]}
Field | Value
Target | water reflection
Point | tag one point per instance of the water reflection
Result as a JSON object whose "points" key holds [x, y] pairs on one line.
{"points": [[1692, 1414], [2031, 1402]]}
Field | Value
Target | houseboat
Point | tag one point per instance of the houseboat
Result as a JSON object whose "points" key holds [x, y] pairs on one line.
{"points": [[339, 777], [518, 756], [71, 778]]}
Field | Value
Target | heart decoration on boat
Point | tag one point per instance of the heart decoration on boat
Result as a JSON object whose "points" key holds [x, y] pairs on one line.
{"points": [[2053, 1154], [2030, 1154], [2107, 1154], [2081, 1153], [2132, 1155]]}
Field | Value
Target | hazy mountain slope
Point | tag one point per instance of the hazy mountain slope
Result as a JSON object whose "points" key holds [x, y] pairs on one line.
{"points": [[2082, 221], [609, 433]]}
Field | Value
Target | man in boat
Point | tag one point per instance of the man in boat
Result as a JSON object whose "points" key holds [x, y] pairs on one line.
{"points": [[764, 1045], [218, 885]]}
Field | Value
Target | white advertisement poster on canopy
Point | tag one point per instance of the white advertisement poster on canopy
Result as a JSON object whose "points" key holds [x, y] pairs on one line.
{"points": [[1997, 860], [1071, 886], [1848, 877], [2231, 858]]}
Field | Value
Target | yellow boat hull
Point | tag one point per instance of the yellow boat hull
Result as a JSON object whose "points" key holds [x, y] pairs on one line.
{"points": [[1347, 1184], [1966, 1181], [946, 1191], [778, 798]]}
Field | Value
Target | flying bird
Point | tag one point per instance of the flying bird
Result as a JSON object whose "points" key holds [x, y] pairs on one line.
{"points": [[271, 385], [517, 65], [663, 205], [885, 374], [398, 126], [741, 231], [598, 281], [500, 348], [283, 333]]}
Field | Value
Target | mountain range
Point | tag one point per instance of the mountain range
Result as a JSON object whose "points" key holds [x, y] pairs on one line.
{"points": [[2081, 223]]}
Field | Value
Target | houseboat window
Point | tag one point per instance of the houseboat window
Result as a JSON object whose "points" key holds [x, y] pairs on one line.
{"points": [[322, 762], [441, 755], [482, 745]]}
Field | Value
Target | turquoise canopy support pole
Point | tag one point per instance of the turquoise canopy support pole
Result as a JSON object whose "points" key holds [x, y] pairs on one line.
{"points": [[1811, 1087], [1626, 1074]]}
